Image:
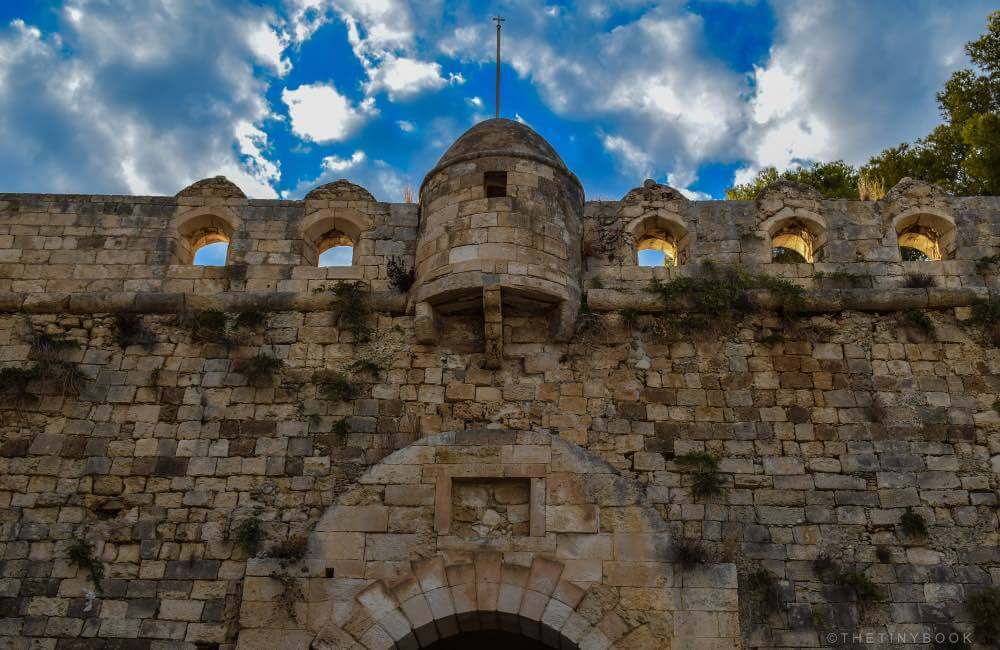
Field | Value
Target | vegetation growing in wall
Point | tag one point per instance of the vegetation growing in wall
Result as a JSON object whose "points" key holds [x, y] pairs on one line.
{"points": [[842, 279], [14, 382], [365, 367], [764, 594], [341, 428], [401, 276], [130, 329], [249, 534], [209, 326], [829, 570], [986, 315], [705, 478], [335, 386], [689, 552], [984, 609], [352, 300], [913, 524], [251, 319], [917, 319], [261, 369], [989, 264], [81, 553], [717, 297], [291, 549], [49, 354]]}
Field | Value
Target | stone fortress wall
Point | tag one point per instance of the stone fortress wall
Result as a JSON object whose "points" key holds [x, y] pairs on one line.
{"points": [[469, 426]]}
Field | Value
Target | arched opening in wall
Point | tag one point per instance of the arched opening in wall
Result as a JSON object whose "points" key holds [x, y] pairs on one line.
{"points": [[488, 640], [204, 240], [793, 243], [797, 240], [335, 249], [651, 251], [659, 241], [330, 241], [925, 237]]}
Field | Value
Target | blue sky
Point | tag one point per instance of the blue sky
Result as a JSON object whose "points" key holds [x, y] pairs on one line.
{"points": [[146, 96]]}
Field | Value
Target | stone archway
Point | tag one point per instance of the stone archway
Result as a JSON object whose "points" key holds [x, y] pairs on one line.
{"points": [[508, 530]]}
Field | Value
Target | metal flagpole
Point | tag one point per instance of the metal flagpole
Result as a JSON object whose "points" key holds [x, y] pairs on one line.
{"points": [[499, 20]]}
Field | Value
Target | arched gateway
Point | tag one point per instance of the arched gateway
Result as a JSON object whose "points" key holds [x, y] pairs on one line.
{"points": [[465, 536]]}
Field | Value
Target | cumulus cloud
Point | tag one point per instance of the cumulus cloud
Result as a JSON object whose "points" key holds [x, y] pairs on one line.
{"points": [[846, 79], [338, 164], [319, 113], [403, 77], [144, 97]]}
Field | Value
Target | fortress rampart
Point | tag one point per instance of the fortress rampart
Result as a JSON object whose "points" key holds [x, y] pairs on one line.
{"points": [[255, 456]]}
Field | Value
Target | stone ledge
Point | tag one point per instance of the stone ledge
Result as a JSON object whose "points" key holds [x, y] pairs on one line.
{"points": [[170, 303], [816, 301]]}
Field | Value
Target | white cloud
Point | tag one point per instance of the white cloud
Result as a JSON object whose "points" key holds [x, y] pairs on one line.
{"points": [[845, 80], [406, 126], [269, 48], [142, 97], [337, 164], [404, 77], [475, 102], [631, 156], [321, 114]]}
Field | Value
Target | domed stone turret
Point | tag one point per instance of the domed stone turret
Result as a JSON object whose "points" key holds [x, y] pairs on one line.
{"points": [[501, 216], [218, 187], [340, 190]]}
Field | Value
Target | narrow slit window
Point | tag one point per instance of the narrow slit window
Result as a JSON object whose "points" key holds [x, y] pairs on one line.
{"points": [[495, 184]]}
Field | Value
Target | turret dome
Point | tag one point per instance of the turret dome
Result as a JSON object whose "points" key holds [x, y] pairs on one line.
{"points": [[500, 137]]}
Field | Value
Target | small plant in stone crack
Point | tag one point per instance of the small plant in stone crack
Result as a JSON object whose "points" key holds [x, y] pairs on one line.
{"points": [[630, 317], [829, 570], [845, 279], [984, 610], [918, 320], [689, 553], [705, 478], [81, 553], [341, 429], [248, 535], [49, 354], [919, 281], [718, 297], [14, 381], [913, 524], [355, 309], [990, 264], [401, 276], [209, 326], [291, 592], [335, 386], [130, 329], [764, 594], [291, 549], [365, 367], [260, 369], [986, 315], [251, 319]]}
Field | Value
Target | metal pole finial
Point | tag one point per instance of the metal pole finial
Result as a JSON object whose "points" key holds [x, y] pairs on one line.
{"points": [[499, 21]]}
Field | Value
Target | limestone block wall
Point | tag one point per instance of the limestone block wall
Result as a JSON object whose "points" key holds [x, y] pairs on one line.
{"points": [[100, 244], [158, 451]]}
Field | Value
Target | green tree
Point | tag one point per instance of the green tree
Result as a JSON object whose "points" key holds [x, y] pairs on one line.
{"points": [[961, 155], [834, 180]]}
